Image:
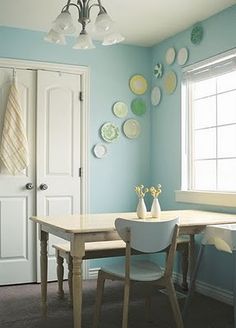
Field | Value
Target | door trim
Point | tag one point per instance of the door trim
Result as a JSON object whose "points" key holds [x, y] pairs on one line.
{"points": [[85, 83]]}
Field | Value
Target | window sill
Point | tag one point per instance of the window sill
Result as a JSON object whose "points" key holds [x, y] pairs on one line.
{"points": [[206, 197]]}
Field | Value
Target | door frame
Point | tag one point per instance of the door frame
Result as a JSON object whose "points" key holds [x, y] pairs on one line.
{"points": [[84, 72]]}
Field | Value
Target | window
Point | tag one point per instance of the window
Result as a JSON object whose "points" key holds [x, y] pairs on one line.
{"points": [[209, 127]]}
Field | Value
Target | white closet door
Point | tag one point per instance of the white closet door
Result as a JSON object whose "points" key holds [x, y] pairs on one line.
{"points": [[17, 204], [58, 148]]}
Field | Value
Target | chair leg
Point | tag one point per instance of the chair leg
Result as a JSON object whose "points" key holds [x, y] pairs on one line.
{"points": [[98, 302], [174, 304], [126, 304], [60, 274], [70, 278]]}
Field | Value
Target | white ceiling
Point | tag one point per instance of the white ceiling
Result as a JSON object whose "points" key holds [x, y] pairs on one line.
{"points": [[142, 22]]}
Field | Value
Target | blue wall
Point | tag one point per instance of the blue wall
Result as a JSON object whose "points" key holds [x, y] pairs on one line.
{"points": [[112, 179], [219, 36], [155, 157]]}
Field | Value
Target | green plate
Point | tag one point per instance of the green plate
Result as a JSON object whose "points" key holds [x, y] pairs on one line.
{"points": [[138, 106], [110, 132], [197, 34]]}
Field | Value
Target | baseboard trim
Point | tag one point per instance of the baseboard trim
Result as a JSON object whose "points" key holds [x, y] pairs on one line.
{"points": [[220, 294]]}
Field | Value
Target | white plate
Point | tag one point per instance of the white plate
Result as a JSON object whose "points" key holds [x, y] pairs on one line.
{"points": [[131, 128], [120, 109], [156, 96], [170, 56], [100, 150], [182, 56]]}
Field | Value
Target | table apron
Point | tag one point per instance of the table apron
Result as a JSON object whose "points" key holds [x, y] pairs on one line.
{"points": [[191, 230]]}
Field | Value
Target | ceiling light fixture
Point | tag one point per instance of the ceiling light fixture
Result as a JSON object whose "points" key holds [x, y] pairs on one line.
{"points": [[104, 26]]}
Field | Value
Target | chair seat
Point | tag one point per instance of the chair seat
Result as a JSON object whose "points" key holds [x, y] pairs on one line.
{"points": [[140, 270]]}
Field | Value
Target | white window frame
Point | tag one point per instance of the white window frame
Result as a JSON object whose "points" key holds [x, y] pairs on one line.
{"points": [[186, 194]]}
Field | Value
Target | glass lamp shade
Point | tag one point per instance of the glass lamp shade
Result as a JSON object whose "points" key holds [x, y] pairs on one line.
{"points": [[63, 23], [84, 41], [55, 37], [103, 22], [112, 38]]}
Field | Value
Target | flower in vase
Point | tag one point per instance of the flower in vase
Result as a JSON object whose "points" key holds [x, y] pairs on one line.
{"points": [[140, 191], [155, 191]]}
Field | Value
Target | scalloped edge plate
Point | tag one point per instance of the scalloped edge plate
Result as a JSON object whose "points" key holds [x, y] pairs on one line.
{"points": [[108, 136]]}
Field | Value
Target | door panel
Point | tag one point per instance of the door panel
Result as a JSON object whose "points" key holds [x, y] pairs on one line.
{"points": [[58, 148], [17, 204], [16, 227]]}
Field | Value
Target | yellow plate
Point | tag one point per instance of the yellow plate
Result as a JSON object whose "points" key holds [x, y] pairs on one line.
{"points": [[170, 82], [138, 84]]}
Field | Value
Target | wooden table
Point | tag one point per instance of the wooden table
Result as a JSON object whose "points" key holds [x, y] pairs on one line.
{"points": [[79, 229]]}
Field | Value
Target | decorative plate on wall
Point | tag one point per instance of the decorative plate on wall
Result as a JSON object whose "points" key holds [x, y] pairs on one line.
{"points": [[120, 109], [170, 56], [158, 70], [100, 150], [138, 106], [156, 96], [109, 132], [197, 34], [170, 82], [131, 128], [182, 56], [138, 84]]}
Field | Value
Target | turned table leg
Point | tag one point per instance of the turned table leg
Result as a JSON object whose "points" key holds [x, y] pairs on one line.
{"points": [[44, 269], [77, 253], [60, 274]]}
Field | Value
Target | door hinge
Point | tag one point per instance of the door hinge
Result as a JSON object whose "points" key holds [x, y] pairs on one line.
{"points": [[80, 172], [81, 96]]}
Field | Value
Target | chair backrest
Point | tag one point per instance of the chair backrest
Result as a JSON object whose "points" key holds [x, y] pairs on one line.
{"points": [[147, 236]]}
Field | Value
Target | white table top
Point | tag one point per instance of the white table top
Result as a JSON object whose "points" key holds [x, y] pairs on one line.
{"points": [[105, 221]]}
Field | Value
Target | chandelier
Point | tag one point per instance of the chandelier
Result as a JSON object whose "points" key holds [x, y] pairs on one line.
{"points": [[103, 26]]}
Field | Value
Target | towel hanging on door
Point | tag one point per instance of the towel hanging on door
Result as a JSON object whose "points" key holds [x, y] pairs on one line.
{"points": [[14, 151]]}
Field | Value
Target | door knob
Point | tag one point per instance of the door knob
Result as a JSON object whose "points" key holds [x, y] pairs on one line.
{"points": [[43, 186], [29, 186]]}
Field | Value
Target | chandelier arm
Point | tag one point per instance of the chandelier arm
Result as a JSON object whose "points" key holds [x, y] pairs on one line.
{"points": [[90, 7], [97, 5], [71, 4], [67, 5]]}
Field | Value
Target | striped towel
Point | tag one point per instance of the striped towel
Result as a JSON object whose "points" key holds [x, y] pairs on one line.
{"points": [[14, 144]]}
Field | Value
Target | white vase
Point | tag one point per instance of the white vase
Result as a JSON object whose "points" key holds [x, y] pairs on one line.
{"points": [[156, 209], [141, 209]]}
